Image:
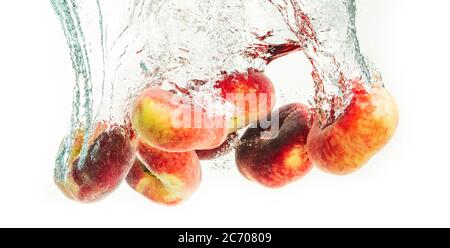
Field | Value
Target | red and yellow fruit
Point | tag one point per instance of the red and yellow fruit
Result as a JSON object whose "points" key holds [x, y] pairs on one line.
{"points": [[365, 128], [252, 94], [167, 178], [167, 122], [110, 156], [279, 160]]}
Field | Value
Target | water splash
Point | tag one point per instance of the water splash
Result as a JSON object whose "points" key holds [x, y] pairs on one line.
{"points": [[119, 48]]}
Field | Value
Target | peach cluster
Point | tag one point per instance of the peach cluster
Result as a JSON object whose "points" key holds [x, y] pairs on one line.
{"points": [[339, 148], [175, 135], [160, 157]]}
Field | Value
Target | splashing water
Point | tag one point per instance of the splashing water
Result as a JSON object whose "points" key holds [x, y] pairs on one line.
{"points": [[119, 48]]}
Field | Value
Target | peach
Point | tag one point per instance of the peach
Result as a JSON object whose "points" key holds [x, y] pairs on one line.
{"points": [[252, 93], [368, 123], [281, 159], [110, 156], [167, 122], [220, 151], [166, 178]]}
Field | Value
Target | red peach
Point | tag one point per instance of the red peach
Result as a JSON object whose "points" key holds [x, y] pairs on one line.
{"points": [[220, 151], [276, 161], [109, 158], [166, 122], [367, 125], [167, 178], [252, 93]]}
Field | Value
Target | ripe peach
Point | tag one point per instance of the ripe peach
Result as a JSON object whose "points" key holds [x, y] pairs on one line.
{"points": [[110, 156], [165, 177], [368, 123], [166, 122], [276, 161], [252, 94], [220, 151]]}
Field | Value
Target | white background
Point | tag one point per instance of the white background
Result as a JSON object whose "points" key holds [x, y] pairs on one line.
{"points": [[406, 185]]}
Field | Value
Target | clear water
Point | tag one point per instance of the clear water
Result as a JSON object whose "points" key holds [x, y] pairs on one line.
{"points": [[120, 47]]}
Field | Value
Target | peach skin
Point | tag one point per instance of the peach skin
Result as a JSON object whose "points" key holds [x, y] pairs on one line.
{"points": [[166, 122], [110, 156], [367, 125], [166, 178], [279, 160], [252, 94]]}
